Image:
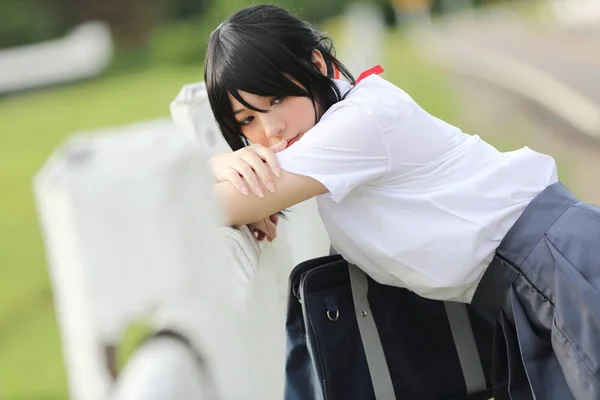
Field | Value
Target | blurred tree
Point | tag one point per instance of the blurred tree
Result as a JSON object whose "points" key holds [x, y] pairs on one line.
{"points": [[132, 21], [187, 9], [314, 10], [26, 21], [388, 11]]}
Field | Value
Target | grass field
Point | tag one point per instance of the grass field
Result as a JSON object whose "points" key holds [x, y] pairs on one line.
{"points": [[31, 126]]}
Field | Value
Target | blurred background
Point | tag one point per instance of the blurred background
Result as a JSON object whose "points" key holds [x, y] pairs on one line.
{"points": [[518, 73]]}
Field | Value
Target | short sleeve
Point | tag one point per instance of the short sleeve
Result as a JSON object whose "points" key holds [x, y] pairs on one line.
{"points": [[345, 149]]}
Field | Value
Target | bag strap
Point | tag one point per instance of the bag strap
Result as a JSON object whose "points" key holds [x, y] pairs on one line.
{"points": [[464, 340], [460, 326], [378, 368]]}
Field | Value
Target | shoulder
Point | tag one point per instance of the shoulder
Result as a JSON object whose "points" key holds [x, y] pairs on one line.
{"points": [[374, 98]]}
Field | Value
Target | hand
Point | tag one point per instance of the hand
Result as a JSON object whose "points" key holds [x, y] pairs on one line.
{"points": [[255, 165], [265, 228]]}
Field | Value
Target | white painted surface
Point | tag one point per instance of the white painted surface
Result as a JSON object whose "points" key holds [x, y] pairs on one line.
{"points": [[260, 341], [124, 235], [164, 369], [131, 231], [192, 114], [83, 53]]}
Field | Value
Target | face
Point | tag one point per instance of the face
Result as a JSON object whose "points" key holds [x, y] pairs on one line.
{"points": [[287, 118]]}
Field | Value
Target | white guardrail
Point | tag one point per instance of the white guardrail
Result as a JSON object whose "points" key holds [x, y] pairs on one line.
{"points": [[83, 53], [132, 231]]}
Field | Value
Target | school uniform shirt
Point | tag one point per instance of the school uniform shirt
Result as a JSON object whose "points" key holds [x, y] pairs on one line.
{"points": [[412, 200]]}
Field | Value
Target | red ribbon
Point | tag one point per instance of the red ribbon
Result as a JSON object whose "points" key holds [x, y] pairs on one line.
{"points": [[375, 70]]}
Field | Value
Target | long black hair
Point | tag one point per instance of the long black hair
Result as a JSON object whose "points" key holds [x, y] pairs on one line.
{"points": [[260, 50]]}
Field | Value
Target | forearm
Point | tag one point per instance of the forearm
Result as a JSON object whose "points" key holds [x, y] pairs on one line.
{"points": [[240, 209]]}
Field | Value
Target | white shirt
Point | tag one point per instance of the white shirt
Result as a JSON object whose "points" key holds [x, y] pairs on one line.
{"points": [[413, 201]]}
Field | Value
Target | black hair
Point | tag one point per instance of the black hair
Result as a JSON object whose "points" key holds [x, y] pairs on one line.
{"points": [[260, 50]]}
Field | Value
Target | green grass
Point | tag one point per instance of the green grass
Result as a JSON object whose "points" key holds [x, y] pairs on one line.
{"points": [[31, 126]]}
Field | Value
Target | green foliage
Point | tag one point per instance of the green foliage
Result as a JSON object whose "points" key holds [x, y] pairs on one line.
{"points": [[26, 21], [183, 41], [187, 9], [314, 11], [30, 21], [179, 42], [134, 336]]}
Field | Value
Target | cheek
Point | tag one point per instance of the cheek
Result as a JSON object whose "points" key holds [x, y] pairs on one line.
{"points": [[303, 114], [256, 136]]}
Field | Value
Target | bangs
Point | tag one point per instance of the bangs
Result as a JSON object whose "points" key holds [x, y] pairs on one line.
{"points": [[262, 67], [265, 51]]}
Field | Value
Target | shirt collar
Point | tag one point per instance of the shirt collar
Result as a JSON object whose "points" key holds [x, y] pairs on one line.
{"points": [[343, 86]]}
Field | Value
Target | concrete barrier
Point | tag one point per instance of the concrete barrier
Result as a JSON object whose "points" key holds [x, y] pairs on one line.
{"points": [[83, 53], [132, 231]]}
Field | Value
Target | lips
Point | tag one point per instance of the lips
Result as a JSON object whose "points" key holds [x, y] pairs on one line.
{"points": [[292, 141]]}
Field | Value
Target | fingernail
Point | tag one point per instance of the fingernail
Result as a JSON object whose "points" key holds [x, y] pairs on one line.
{"points": [[245, 191], [259, 192], [271, 187], [277, 172]]}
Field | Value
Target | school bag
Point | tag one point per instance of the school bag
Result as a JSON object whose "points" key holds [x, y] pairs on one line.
{"points": [[351, 338]]}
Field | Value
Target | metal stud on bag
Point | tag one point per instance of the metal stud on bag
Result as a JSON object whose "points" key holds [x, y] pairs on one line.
{"points": [[333, 316], [333, 312]]}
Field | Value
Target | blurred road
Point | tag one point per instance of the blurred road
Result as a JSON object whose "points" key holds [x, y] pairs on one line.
{"points": [[556, 67], [525, 83], [572, 56]]}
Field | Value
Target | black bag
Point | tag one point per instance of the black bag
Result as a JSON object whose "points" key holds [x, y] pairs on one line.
{"points": [[417, 349]]}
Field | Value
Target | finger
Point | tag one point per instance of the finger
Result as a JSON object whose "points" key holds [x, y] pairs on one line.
{"points": [[274, 219], [279, 146], [257, 232], [268, 156], [250, 176], [260, 229], [271, 230], [261, 170], [260, 236], [266, 227], [231, 175]]}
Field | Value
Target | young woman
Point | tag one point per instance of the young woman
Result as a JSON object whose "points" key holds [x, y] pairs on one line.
{"points": [[410, 199]]}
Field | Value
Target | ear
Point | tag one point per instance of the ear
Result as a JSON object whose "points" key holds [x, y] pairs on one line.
{"points": [[319, 62]]}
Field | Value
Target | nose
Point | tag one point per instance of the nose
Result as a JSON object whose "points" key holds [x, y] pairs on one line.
{"points": [[273, 125]]}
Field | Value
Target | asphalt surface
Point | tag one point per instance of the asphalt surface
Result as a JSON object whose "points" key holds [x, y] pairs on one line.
{"points": [[571, 56]]}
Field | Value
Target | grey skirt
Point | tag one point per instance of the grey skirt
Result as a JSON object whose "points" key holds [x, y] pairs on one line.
{"points": [[542, 292]]}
